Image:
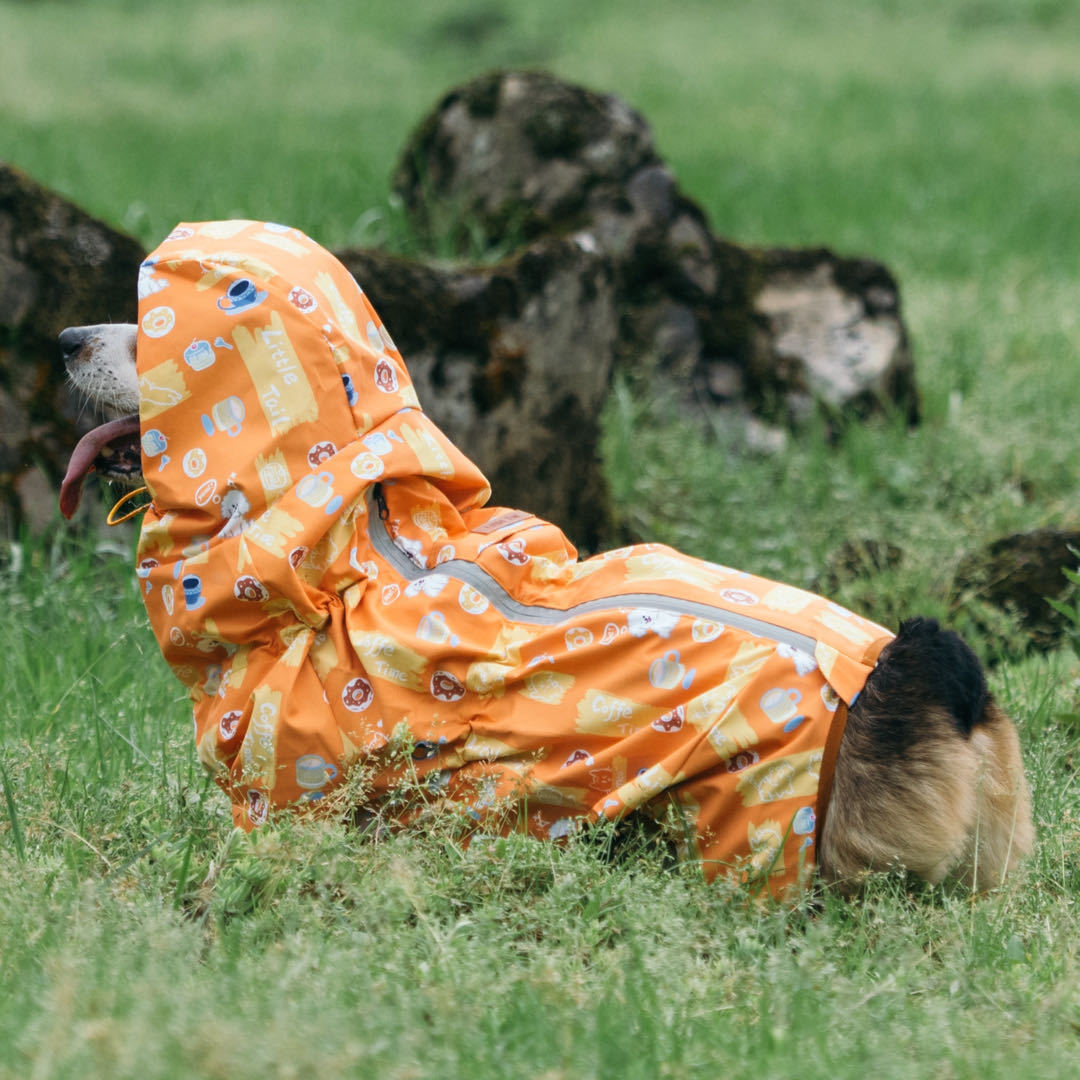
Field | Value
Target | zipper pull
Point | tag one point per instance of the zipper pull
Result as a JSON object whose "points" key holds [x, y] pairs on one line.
{"points": [[380, 502]]}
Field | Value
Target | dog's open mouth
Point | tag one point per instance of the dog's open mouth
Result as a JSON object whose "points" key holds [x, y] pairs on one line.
{"points": [[111, 450]]}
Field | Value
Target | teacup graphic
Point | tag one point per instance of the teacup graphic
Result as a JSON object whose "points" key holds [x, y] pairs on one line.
{"points": [[227, 415], [432, 627], [199, 355], [316, 489], [377, 443], [665, 673], [241, 295], [313, 771], [781, 706]]}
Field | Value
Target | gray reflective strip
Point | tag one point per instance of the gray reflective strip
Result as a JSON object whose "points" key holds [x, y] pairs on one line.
{"points": [[489, 587]]}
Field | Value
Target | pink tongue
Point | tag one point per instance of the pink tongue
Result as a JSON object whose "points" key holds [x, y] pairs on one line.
{"points": [[82, 459]]}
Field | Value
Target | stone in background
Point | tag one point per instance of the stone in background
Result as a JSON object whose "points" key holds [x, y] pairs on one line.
{"points": [[612, 266]]}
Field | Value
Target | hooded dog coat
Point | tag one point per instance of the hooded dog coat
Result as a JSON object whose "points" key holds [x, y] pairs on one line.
{"points": [[322, 575]]}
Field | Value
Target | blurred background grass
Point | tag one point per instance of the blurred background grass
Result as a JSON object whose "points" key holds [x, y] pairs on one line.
{"points": [[141, 939], [937, 137]]}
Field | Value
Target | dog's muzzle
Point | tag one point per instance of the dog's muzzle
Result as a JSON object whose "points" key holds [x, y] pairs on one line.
{"points": [[112, 449]]}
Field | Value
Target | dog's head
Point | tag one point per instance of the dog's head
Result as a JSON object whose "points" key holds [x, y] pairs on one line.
{"points": [[100, 363]]}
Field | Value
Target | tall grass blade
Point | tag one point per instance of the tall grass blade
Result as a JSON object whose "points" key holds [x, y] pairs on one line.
{"points": [[13, 817]]}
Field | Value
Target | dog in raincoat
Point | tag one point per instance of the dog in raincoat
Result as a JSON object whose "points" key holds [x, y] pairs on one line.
{"points": [[323, 574]]}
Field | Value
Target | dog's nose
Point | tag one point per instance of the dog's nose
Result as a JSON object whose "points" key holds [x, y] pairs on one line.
{"points": [[72, 340]]}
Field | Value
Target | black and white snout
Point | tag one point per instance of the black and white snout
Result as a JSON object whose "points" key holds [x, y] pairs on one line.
{"points": [[71, 342]]}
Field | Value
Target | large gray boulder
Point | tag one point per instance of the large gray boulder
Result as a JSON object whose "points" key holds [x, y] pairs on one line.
{"points": [[782, 330]]}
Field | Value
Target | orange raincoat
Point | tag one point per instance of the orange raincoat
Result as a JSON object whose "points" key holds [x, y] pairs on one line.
{"points": [[322, 574]]}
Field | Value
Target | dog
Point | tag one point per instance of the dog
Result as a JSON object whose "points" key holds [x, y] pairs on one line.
{"points": [[323, 574]]}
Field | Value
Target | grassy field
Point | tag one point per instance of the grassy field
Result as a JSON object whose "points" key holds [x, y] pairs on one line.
{"points": [[140, 937]]}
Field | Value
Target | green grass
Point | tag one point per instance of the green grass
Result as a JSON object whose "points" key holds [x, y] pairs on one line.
{"points": [[141, 937]]}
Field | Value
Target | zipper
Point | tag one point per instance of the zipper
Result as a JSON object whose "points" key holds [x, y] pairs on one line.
{"points": [[488, 586]]}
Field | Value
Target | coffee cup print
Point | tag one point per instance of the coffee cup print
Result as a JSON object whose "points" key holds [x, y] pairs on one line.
{"points": [[377, 443], [314, 772], [315, 489], [241, 295], [192, 586], [433, 628], [782, 707], [666, 672], [227, 416], [199, 355]]}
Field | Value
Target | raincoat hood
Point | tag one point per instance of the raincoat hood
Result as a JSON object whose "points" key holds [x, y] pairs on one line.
{"points": [[252, 335], [322, 573]]}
